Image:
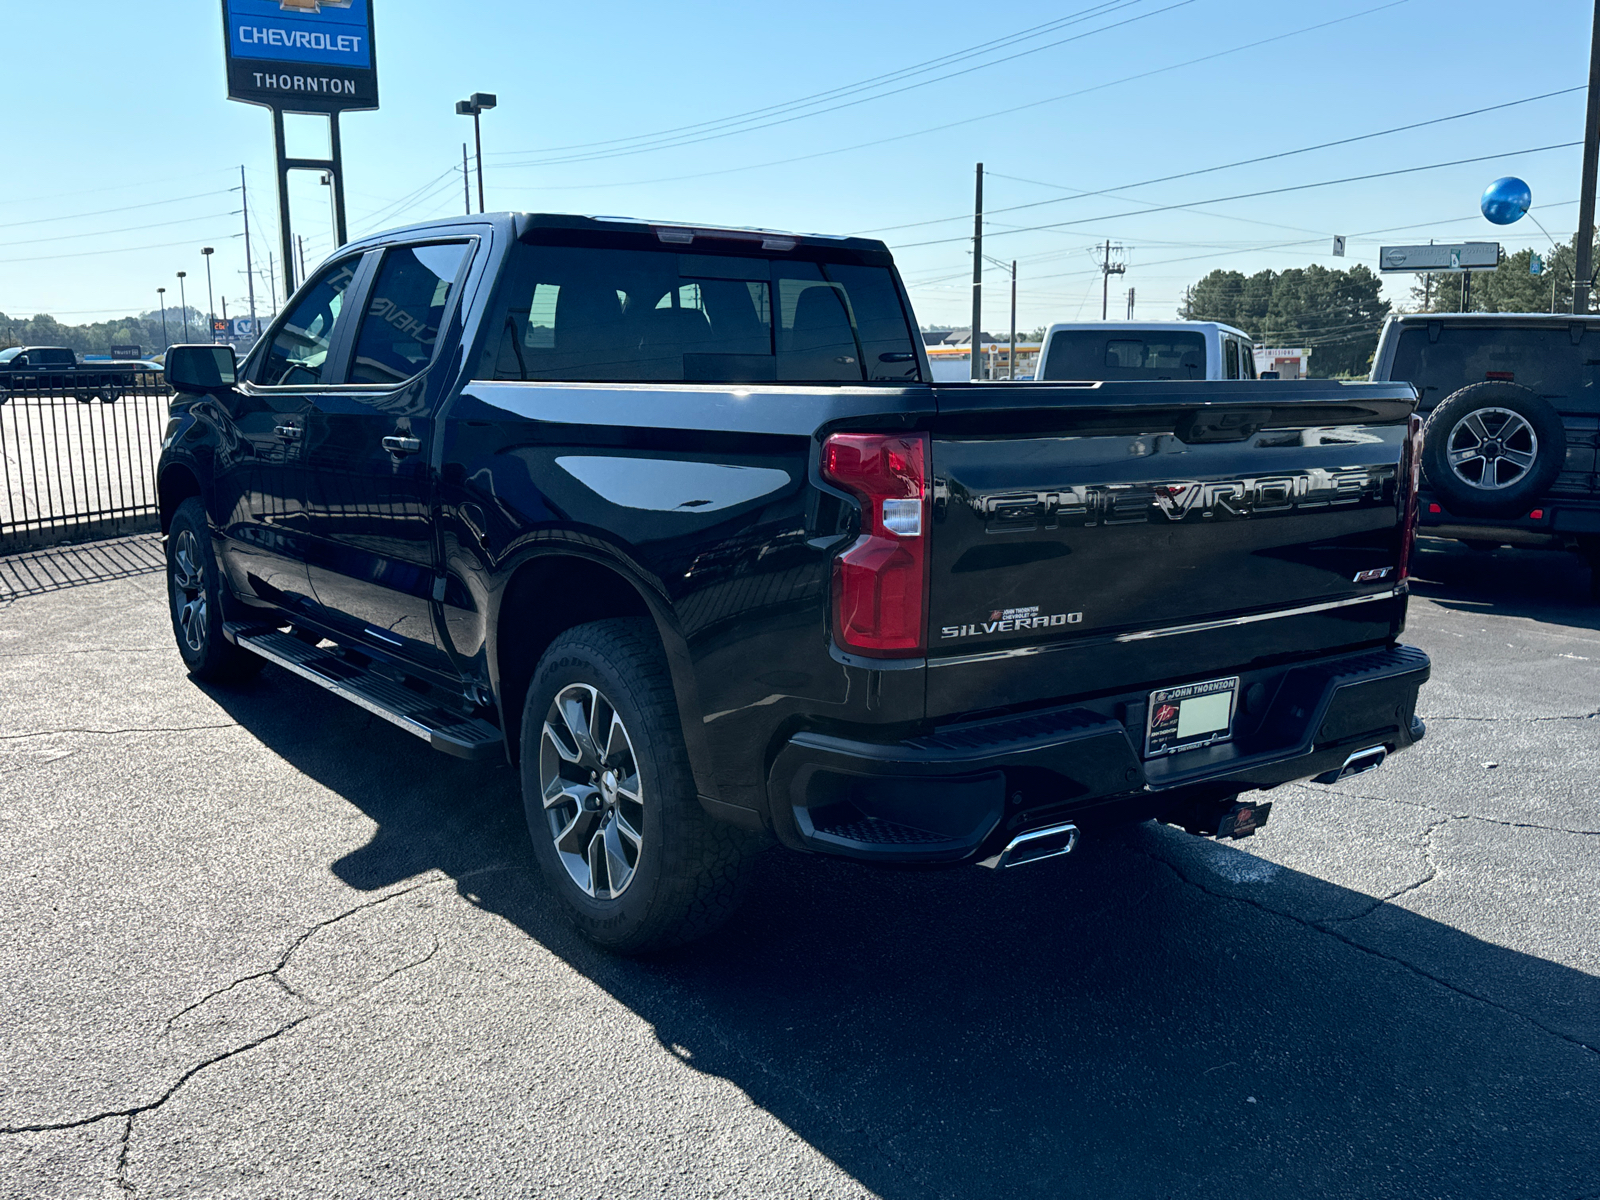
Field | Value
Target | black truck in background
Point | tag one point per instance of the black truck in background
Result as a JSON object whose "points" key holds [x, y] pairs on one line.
{"points": [[45, 369], [672, 518]]}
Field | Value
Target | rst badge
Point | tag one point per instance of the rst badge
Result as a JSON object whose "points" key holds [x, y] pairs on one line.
{"points": [[1011, 620]]}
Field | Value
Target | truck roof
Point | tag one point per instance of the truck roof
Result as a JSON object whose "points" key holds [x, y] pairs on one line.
{"points": [[1150, 325], [668, 232], [1487, 318]]}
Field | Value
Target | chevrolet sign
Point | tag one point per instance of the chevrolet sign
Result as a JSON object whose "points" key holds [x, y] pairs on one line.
{"points": [[301, 55]]}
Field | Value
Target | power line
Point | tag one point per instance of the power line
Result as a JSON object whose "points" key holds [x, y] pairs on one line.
{"points": [[119, 209], [1299, 187], [1078, 194], [674, 143], [72, 237], [843, 90], [118, 250], [899, 137]]}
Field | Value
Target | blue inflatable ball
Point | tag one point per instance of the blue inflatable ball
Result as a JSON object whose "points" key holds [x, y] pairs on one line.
{"points": [[1506, 200]]}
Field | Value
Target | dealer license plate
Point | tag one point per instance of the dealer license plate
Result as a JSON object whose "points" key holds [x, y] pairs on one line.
{"points": [[1196, 714]]}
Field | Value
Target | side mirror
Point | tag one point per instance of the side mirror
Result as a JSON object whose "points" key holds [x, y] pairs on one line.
{"points": [[203, 369]]}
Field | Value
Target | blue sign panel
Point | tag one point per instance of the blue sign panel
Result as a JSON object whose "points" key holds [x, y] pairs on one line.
{"points": [[329, 33], [301, 55]]}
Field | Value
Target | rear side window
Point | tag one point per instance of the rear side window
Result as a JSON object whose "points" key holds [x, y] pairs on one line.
{"points": [[1542, 360], [1122, 354], [1231, 358], [589, 315], [405, 311]]}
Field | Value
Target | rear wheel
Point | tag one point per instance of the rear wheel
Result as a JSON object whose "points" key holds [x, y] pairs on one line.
{"points": [[616, 824], [194, 597]]}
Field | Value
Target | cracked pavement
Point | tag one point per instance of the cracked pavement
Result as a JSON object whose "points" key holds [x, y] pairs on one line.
{"points": [[260, 944]]}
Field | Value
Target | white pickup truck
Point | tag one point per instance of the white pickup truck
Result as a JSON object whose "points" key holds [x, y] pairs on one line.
{"points": [[1145, 350]]}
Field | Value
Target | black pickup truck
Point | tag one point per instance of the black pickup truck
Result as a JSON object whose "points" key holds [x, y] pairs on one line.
{"points": [[42, 369], [671, 517]]}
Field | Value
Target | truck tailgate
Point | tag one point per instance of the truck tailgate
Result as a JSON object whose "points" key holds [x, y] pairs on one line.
{"points": [[1110, 538]]}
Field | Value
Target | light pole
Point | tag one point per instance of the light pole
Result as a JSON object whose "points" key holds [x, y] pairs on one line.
{"points": [[161, 295], [474, 106], [1012, 357], [211, 304], [183, 301]]}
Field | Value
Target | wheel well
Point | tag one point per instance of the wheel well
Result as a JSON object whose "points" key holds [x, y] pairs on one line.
{"points": [[543, 600], [176, 485]]}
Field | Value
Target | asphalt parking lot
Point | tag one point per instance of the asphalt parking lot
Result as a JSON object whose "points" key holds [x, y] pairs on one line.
{"points": [[258, 943]]}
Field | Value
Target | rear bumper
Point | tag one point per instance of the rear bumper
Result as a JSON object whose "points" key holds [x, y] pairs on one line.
{"points": [[960, 791], [1561, 520]]}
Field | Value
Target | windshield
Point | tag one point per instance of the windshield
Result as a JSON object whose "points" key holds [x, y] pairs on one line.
{"points": [[1125, 354], [578, 314], [1543, 360], [8, 355]]}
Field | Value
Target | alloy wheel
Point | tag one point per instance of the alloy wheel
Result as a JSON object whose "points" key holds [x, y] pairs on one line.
{"points": [[1492, 448], [189, 591], [589, 783]]}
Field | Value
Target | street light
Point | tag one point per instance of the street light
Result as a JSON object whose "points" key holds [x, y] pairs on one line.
{"points": [[183, 300], [161, 295], [473, 107], [1013, 356], [211, 304]]}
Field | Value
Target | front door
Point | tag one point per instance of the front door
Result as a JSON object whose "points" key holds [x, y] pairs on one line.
{"points": [[367, 447], [259, 474]]}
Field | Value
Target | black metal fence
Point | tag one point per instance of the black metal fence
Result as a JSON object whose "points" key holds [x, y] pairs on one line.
{"points": [[79, 461]]}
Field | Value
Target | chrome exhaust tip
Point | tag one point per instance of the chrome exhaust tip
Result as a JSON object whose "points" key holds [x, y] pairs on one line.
{"points": [[1034, 846], [1358, 763]]}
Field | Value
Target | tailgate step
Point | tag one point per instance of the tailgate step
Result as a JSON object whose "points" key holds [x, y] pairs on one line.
{"points": [[417, 712]]}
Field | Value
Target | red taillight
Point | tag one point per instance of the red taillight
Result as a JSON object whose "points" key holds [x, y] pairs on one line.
{"points": [[880, 583], [1406, 499]]}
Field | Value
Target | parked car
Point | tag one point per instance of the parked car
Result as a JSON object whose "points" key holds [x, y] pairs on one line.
{"points": [[1130, 350], [1512, 402], [58, 369], [672, 518]]}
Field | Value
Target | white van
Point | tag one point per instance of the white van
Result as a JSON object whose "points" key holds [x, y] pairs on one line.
{"points": [[1146, 350]]}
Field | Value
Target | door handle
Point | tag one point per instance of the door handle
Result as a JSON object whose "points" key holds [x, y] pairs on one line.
{"points": [[402, 445], [289, 433]]}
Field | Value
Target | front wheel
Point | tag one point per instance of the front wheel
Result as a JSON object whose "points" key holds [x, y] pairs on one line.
{"points": [[194, 597], [612, 809]]}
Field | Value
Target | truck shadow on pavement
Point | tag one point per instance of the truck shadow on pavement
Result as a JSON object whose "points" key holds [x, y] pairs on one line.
{"points": [[1157, 1015], [1544, 585]]}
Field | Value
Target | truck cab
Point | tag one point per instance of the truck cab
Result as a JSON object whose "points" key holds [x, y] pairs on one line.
{"points": [[1145, 350]]}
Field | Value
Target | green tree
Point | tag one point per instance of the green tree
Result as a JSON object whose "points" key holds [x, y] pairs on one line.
{"points": [[1336, 314]]}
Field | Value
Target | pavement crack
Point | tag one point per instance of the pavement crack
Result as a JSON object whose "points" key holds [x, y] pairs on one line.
{"points": [[38, 733], [1589, 716], [1425, 844], [120, 1176], [1328, 930], [1466, 816]]}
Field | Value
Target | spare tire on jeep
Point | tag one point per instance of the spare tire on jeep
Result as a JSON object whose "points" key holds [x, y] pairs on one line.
{"points": [[1492, 449]]}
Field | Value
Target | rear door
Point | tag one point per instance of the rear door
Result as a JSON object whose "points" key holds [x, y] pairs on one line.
{"points": [[370, 499]]}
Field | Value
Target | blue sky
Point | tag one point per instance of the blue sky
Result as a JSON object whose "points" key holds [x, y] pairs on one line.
{"points": [[121, 147]]}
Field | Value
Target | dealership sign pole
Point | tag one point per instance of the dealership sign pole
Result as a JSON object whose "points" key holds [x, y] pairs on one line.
{"points": [[302, 56]]}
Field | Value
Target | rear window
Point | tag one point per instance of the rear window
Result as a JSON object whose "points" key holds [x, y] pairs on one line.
{"points": [[1542, 360], [52, 358], [579, 314], [1124, 354]]}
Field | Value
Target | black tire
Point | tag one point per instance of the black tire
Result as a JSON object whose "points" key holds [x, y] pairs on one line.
{"points": [[194, 599], [1507, 446], [687, 873]]}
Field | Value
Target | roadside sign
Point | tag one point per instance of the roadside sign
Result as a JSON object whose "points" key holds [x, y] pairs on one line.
{"points": [[219, 325], [1338, 245], [243, 327], [125, 352], [301, 55], [1535, 265], [1461, 256]]}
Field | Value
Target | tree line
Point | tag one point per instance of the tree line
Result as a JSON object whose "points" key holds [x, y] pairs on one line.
{"points": [[144, 331]]}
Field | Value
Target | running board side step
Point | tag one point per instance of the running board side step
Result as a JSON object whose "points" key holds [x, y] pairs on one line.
{"points": [[418, 713]]}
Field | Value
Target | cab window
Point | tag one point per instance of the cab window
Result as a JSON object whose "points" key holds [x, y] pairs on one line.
{"points": [[1230, 358], [299, 350]]}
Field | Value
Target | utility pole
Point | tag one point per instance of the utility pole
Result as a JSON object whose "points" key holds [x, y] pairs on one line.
{"points": [[272, 282], [1466, 291], [249, 273], [1130, 303], [466, 179], [1011, 371], [1591, 163], [300, 242], [977, 274], [1108, 269]]}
